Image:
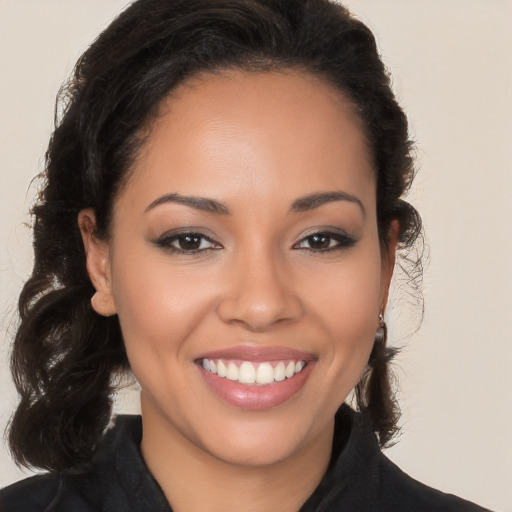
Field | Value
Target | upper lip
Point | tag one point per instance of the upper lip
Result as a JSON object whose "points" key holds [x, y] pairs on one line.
{"points": [[258, 354]]}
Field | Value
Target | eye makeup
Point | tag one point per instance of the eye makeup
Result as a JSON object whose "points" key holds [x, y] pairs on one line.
{"points": [[325, 241]]}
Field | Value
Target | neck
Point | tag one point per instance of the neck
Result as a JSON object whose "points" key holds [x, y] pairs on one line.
{"points": [[194, 480]]}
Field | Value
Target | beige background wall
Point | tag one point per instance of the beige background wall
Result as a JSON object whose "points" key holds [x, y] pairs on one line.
{"points": [[452, 68]]}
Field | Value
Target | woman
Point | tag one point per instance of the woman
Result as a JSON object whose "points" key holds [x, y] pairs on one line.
{"points": [[221, 215]]}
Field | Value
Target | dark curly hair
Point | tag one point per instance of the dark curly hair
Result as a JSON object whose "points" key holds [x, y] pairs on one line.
{"points": [[65, 356]]}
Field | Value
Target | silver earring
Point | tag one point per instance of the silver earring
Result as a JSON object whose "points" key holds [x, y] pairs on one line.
{"points": [[382, 331]]}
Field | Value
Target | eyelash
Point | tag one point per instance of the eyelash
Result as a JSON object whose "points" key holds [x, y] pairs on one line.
{"points": [[167, 242], [342, 240]]}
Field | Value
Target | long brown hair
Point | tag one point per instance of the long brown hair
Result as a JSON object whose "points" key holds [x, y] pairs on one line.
{"points": [[65, 355]]}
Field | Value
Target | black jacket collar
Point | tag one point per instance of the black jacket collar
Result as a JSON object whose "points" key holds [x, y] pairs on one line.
{"points": [[360, 478], [352, 476]]}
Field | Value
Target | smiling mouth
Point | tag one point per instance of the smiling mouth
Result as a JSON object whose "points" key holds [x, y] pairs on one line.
{"points": [[251, 373]]}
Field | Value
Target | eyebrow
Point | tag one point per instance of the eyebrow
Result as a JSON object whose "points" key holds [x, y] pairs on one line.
{"points": [[312, 201], [302, 204], [199, 203]]}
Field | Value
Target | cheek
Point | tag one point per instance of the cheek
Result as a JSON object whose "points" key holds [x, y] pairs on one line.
{"points": [[347, 306], [159, 307], [348, 297]]}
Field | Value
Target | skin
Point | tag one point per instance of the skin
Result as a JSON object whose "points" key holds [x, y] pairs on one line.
{"points": [[255, 142]]}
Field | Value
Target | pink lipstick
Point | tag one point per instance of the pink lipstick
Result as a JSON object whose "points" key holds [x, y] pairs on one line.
{"points": [[256, 378]]}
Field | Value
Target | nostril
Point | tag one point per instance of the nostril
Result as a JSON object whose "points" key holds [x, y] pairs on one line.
{"points": [[259, 313], [259, 290]]}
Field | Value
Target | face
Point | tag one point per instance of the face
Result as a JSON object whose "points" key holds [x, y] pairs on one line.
{"points": [[244, 264]]}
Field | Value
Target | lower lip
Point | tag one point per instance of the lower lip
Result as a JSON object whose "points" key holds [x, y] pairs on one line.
{"points": [[254, 397]]}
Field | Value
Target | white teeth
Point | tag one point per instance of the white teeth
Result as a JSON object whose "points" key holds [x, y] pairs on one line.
{"points": [[265, 373], [247, 373], [221, 369], [257, 373], [233, 372], [279, 372]]}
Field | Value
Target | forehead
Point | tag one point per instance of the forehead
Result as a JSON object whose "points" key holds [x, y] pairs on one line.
{"points": [[232, 133]]}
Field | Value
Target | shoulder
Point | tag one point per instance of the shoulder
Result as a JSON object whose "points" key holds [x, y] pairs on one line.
{"points": [[115, 478], [76, 490], [362, 478], [34, 494], [399, 492]]}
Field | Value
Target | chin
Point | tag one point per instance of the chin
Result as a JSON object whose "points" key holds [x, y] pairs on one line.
{"points": [[264, 440], [258, 452]]}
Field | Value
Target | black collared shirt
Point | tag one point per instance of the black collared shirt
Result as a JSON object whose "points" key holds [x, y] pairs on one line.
{"points": [[360, 478]]}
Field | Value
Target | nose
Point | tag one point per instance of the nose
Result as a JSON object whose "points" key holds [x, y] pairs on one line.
{"points": [[260, 293]]}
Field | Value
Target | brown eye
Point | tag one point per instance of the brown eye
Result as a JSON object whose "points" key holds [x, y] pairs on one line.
{"points": [[187, 243], [325, 242], [319, 241]]}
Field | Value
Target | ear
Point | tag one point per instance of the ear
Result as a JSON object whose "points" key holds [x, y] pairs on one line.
{"points": [[388, 261], [97, 254]]}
